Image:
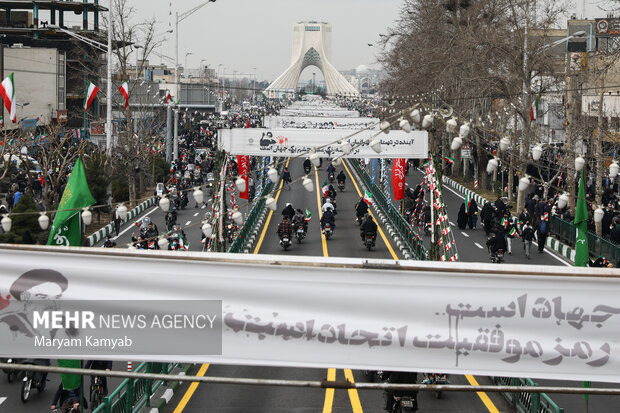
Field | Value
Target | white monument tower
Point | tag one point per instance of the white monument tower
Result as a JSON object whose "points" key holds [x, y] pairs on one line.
{"points": [[312, 46]]}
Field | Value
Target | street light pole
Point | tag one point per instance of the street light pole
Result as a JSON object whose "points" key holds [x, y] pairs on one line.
{"points": [[108, 122]]}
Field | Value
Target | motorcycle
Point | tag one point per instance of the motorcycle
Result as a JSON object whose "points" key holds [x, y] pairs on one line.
{"points": [[498, 257], [306, 170], [341, 186], [285, 242], [183, 199], [328, 231], [436, 378], [171, 220], [404, 404], [32, 379], [231, 232], [300, 233], [331, 177], [369, 241], [380, 375], [12, 375]]}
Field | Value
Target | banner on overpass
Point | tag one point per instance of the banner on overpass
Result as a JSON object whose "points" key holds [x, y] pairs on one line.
{"points": [[320, 112], [308, 122], [315, 312], [292, 142]]}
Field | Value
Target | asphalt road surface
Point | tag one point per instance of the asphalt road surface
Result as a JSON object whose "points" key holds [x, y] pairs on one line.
{"points": [[346, 242]]}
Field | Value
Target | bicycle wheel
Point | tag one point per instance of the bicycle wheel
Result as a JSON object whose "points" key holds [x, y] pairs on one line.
{"points": [[26, 386]]}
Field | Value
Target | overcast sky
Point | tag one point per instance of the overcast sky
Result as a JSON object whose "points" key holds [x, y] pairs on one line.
{"points": [[243, 34]]}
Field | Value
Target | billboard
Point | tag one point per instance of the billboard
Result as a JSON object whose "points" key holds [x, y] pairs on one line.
{"points": [[608, 27]]}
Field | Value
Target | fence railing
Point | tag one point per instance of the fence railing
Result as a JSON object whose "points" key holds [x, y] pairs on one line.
{"points": [[400, 223], [133, 394], [525, 402], [565, 232]]}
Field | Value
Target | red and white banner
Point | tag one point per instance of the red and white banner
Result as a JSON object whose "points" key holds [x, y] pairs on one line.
{"points": [[243, 164], [398, 178], [124, 89], [460, 318]]}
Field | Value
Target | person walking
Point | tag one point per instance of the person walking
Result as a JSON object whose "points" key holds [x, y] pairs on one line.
{"points": [[528, 235], [117, 222], [541, 234]]}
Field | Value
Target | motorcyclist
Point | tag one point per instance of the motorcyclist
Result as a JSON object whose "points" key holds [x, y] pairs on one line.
{"points": [[361, 208], [286, 177], [109, 243], [285, 228], [331, 171], [298, 219], [497, 242], [331, 192], [341, 177], [288, 211], [151, 231], [328, 205], [328, 218], [171, 218], [398, 377], [307, 165], [368, 227]]}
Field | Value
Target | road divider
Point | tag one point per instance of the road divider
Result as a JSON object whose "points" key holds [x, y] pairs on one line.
{"points": [[97, 236]]}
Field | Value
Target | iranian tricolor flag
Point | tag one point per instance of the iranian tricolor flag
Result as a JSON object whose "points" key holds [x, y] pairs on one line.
{"points": [[91, 92], [7, 90], [368, 198], [325, 190], [534, 110], [168, 97], [124, 89]]}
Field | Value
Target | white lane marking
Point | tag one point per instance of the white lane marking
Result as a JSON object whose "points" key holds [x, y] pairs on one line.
{"points": [[451, 223], [478, 245], [132, 226], [187, 223], [2, 399], [196, 214], [203, 207], [465, 234], [546, 250]]}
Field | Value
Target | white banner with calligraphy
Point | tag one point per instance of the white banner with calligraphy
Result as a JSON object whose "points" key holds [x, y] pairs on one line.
{"points": [[499, 320], [320, 112], [291, 142], [307, 122]]}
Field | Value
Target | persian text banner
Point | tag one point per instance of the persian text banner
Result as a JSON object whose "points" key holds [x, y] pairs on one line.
{"points": [[291, 142], [314, 312]]}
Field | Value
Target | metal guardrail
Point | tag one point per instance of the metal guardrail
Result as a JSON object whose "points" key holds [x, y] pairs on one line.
{"points": [[400, 223], [598, 246], [133, 394], [527, 402]]}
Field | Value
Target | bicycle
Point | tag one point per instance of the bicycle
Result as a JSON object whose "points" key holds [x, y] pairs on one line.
{"points": [[97, 391]]}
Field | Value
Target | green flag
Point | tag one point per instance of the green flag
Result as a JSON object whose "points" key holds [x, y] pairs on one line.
{"points": [[66, 229], [581, 226], [467, 201], [70, 381]]}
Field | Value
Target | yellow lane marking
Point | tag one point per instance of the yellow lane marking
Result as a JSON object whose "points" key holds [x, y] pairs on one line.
{"points": [[329, 393], [190, 391], [318, 202], [483, 396], [262, 235], [389, 247], [353, 395]]}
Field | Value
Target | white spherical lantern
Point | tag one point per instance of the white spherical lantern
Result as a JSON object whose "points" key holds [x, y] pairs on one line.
{"points": [[598, 215], [492, 165], [164, 203], [415, 116], [524, 183], [375, 144], [237, 217], [163, 243], [451, 125], [308, 184], [345, 147], [614, 168], [315, 159], [464, 130], [271, 203], [122, 211], [6, 223], [87, 216], [563, 200], [199, 196], [579, 163], [273, 175], [504, 143], [240, 182], [456, 143], [207, 229], [44, 221], [385, 126], [427, 122], [537, 152], [405, 125], [336, 161]]}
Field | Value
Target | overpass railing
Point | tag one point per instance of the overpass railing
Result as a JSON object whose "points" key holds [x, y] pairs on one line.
{"points": [[526, 402], [407, 233], [133, 394]]}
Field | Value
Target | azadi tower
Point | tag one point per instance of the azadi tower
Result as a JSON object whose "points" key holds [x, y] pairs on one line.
{"points": [[312, 46]]}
